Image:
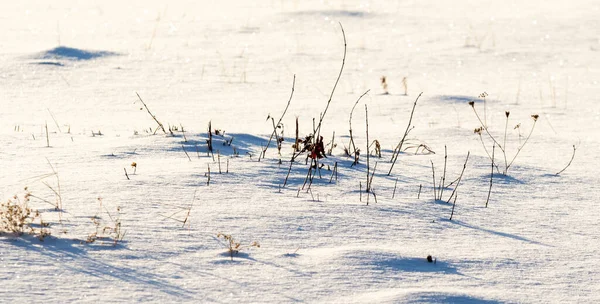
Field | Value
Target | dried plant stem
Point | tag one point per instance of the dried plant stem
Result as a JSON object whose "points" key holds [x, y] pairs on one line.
{"points": [[47, 136], [219, 160], [57, 192], [521, 147], [360, 189], [395, 184], [289, 170], [189, 211], [399, 146], [208, 175], [367, 123], [330, 152], [419, 193], [55, 122], [186, 154], [209, 141], [183, 133], [274, 133], [453, 205], [504, 143], [334, 172], [491, 177], [572, 157], [351, 145], [152, 115], [126, 175], [318, 128], [459, 178], [371, 179], [297, 148], [485, 128], [443, 181], [433, 174]]}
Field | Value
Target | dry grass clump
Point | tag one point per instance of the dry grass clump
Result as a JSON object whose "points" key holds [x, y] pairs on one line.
{"points": [[17, 218], [233, 246], [109, 231]]}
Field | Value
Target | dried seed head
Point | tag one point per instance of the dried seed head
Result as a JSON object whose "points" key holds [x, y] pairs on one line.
{"points": [[535, 117], [478, 130], [507, 113], [517, 126], [472, 103]]}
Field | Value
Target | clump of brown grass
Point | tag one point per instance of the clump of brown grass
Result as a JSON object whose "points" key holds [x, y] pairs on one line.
{"points": [[17, 218], [233, 246], [109, 231]]}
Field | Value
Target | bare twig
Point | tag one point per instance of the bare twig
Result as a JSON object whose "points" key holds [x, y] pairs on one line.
{"points": [[186, 154], [535, 118], [351, 145], [209, 140], [274, 133], [433, 173], [459, 178], [318, 128], [367, 123], [208, 176], [55, 122], [152, 115], [219, 160], [572, 157], [47, 136], [441, 187], [491, 177], [333, 172], [399, 146], [453, 205]]}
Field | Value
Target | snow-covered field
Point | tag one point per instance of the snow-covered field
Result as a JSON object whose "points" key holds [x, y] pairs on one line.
{"points": [[74, 67]]}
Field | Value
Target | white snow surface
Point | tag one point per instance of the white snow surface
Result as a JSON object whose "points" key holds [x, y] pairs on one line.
{"points": [[76, 66]]}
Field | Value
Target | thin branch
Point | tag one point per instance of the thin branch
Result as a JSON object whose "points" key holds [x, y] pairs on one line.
{"points": [[572, 157], [491, 177], [351, 145], [152, 115], [459, 178], [433, 173], [523, 145], [441, 187], [367, 123], [274, 133], [399, 146], [318, 129]]}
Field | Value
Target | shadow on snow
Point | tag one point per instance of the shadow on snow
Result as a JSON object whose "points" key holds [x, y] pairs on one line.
{"points": [[79, 262]]}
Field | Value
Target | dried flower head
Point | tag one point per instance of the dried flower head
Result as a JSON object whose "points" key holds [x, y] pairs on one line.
{"points": [[384, 84], [472, 103], [507, 113], [478, 130], [535, 117], [134, 164], [517, 126], [483, 95]]}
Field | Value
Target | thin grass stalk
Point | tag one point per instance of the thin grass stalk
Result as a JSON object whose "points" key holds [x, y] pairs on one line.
{"points": [[399, 146]]}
